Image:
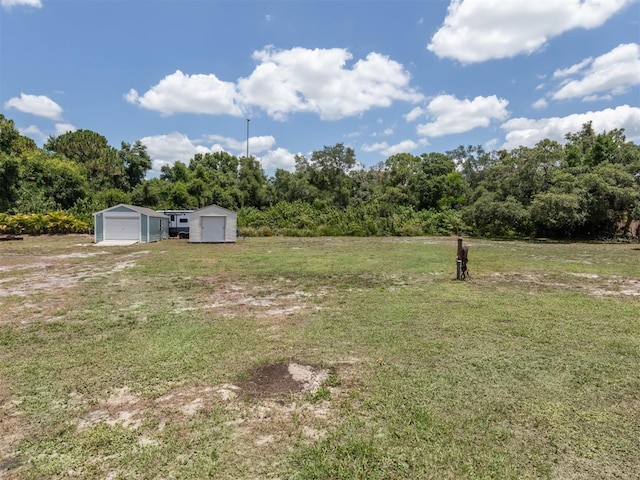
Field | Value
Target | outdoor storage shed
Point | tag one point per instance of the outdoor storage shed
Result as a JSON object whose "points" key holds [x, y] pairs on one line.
{"points": [[130, 223], [212, 224]]}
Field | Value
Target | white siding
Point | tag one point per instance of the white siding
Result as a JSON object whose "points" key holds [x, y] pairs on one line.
{"points": [[212, 224]]}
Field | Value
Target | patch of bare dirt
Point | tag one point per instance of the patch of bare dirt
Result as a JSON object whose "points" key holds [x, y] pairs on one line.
{"points": [[592, 284], [257, 300], [26, 276], [260, 417], [32, 286], [269, 382], [280, 378]]}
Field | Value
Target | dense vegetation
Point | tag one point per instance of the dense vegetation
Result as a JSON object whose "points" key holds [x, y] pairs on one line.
{"points": [[588, 187]]}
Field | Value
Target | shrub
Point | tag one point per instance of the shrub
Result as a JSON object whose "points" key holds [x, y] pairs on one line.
{"points": [[37, 223]]}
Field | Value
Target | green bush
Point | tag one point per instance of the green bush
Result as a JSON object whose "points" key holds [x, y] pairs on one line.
{"points": [[359, 220], [57, 222]]}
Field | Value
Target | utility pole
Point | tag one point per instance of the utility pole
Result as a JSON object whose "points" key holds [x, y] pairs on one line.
{"points": [[248, 120]]}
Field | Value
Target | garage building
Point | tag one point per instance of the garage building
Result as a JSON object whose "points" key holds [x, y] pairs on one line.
{"points": [[130, 223], [212, 224]]}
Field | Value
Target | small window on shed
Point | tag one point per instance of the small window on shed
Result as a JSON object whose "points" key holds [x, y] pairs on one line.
{"points": [[173, 218], [183, 220]]}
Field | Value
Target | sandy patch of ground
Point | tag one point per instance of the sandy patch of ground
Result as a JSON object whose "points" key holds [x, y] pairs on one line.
{"points": [[275, 306], [263, 411], [31, 287], [592, 284], [261, 301], [46, 277]]}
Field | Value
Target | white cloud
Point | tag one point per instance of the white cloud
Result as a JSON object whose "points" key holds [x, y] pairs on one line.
{"points": [[180, 93], [278, 158], [573, 69], [527, 132], [284, 82], [228, 144], [414, 114], [39, 105], [62, 128], [613, 73], [168, 149], [540, 104], [387, 150], [401, 147], [239, 147], [374, 147], [16, 3], [597, 98], [451, 115], [34, 132], [490, 145], [318, 81], [259, 144], [480, 30], [384, 133]]}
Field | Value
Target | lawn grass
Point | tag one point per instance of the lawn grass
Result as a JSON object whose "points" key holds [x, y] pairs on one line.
{"points": [[131, 362]]}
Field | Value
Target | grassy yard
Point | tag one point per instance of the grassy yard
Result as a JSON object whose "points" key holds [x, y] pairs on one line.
{"points": [[174, 360]]}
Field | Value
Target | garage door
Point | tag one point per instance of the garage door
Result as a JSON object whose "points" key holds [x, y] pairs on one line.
{"points": [[119, 227], [212, 229]]}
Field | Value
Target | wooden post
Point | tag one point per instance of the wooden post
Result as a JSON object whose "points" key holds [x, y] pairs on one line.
{"points": [[459, 260]]}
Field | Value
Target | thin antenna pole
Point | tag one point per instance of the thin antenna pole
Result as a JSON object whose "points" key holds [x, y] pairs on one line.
{"points": [[248, 120]]}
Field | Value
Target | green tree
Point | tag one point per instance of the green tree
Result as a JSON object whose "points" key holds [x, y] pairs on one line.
{"points": [[368, 184], [252, 183], [611, 196], [153, 193], [289, 187], [556, 214], [61, 181], [10, 180], [180, 197], [110, 197], [328, 170], [440, 185], [403, 179], [136, 162], [498, 218], [8, 135], [103, 165], [578, 144], [82, 146], [11, 141], [473, 162], [179, 172]]}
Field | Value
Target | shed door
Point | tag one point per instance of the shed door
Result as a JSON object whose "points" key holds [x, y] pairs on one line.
{"points": [[120, 227], [212, 229]]}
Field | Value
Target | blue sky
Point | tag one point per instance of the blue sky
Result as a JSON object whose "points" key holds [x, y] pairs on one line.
{"points": [[382, 77]]}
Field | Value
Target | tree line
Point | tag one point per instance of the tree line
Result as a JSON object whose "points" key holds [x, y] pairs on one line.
{"points": [[588, 187]]}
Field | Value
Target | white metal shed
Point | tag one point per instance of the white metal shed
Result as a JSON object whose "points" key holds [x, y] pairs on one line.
{"points": [[212, 224]]}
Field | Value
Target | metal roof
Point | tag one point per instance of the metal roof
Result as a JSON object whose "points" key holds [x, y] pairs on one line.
{"points": [[146, 211]]}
